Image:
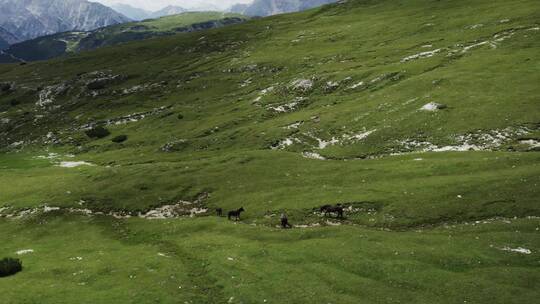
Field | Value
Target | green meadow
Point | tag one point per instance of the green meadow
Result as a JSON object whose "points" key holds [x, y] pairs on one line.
{"points": [[282, 114]]}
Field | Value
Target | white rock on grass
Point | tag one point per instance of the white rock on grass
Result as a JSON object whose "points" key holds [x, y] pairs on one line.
{"points": [[50, 209], [530, 142], [475, 26], [24, 251], [432, 106], [458, 148], [325, 143], [302, 84], [294, 125], [16, 144], [359, 136], [74, 164], [283, 144], [356, 85], [517, 250], [313, 155], [292, 106], [267, 90], [426, 54]]}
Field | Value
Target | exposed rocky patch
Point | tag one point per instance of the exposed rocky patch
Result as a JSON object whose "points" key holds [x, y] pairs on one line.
{"points": [[288, 107], [462, 48], [309, 139], [141, 88], [135, 117], [101, 80], [302, 85], [175, 146], [177, 210], [421, 55], [478, 141], [49, 94]]}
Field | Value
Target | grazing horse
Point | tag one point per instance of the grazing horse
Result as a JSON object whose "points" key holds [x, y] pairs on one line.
{"points": [[236, 213], [338, 210], [219, 211], [285, 221]]}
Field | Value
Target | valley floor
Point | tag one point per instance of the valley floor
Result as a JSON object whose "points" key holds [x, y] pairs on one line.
{"points": [[440, 246], [77, 259]]}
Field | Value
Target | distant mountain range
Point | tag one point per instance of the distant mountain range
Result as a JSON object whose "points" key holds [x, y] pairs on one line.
{"points": [[22, 20], [133, 13], [6, 38], [256, 8], [59, 44], [27, 19], [274, 7], [138, 14]]}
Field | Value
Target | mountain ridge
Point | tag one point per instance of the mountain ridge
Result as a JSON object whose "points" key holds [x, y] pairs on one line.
{"points": [[131, 12], [28, 19], [51, 46]]}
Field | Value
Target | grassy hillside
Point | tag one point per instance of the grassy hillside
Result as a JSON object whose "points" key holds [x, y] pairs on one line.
{"points": [[420, 117], [56, 45]]}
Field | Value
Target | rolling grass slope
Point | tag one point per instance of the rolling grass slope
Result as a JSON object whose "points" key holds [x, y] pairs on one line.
{"points": [[285, 113]]}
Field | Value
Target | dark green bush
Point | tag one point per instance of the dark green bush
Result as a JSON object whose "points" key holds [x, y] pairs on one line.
{"points": [[5, 86], [98, 132], [14, 102], [9, 266], [120, 139], [180, 116]]}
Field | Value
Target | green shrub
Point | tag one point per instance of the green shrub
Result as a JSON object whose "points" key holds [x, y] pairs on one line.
{"points": [[180, 116], [5, 86], [98, 132], [120, 139], [10, 266]]}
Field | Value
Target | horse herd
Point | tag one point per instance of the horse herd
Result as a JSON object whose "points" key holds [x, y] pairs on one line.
{"points": [[326, 210]]}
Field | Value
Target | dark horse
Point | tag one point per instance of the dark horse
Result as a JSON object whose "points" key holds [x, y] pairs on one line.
{"points": [[332, 209], [236, 213], [219, 211]]}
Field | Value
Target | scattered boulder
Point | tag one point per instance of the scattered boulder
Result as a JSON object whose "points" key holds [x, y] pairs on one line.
{"points": [[10, 266], [49, 94], [102, 81], [175, 146], [302, 85], [119, 139], [331, 86], [97, 132], [433, 106]]}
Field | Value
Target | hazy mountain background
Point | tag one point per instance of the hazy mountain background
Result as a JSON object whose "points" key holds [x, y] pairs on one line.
{"points": [[131, 12], [22, 20], [191, 5], [273, 7], [254, 8], [59, 44], [26, 19]]}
